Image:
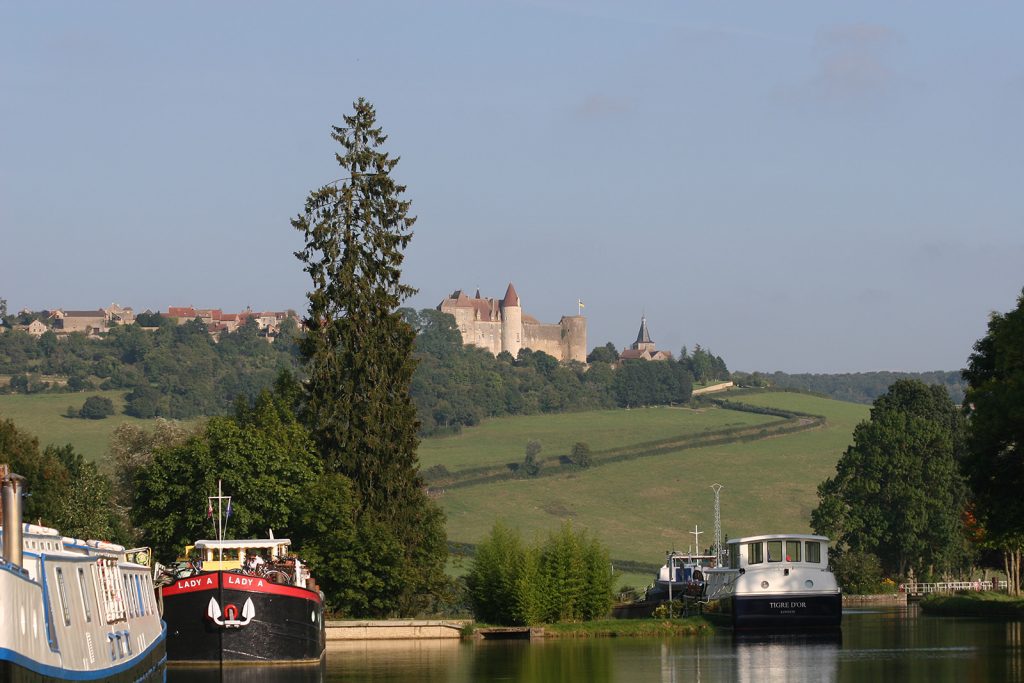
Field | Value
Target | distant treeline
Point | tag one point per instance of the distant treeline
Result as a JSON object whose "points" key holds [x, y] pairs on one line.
{"points": [[174, 371], [180, 371], [458, 385], [858, 387]]}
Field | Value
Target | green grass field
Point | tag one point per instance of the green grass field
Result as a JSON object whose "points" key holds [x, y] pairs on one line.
{"points": [[641, 508], [500, 441], [43, 416]]}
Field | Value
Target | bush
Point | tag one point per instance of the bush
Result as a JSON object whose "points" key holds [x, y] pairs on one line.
{"points": [[580, 455], [96, 408], [860, 573], [567, 578]]}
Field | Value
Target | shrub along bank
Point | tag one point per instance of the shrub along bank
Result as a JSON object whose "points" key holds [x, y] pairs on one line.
{"points": [[974, 604], [566, 578]]}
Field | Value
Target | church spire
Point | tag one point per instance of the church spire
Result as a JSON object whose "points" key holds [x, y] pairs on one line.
{"points": [[643, 337]]}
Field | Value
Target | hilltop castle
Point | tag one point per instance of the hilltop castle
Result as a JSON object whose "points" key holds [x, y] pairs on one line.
{"points": [[500, 325]]}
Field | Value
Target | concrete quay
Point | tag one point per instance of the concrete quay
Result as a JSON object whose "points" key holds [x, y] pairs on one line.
{"points": [[395, 629]]}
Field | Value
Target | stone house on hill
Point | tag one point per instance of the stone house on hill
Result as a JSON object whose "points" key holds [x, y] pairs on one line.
{"points": [[88, 322], [36, 328]]}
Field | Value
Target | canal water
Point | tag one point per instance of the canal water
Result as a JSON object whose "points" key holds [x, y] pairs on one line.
{"points": [[875, 645]]}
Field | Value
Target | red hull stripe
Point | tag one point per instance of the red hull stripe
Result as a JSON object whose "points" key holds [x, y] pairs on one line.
{"points": [[237, 582]]}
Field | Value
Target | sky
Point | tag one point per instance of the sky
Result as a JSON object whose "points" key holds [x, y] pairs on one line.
{"points": [[797, 186]]}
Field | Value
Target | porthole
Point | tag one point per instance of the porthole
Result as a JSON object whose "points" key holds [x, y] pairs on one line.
{"points": [[809, 583], [764, 584]]}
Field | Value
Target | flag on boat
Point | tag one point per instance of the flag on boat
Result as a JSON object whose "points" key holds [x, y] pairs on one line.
{"points": [[579, 302], [227, 514], [209, 508]]}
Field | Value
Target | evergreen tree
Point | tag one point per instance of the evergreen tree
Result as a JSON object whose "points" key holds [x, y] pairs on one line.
{"points": [[358, 357]]}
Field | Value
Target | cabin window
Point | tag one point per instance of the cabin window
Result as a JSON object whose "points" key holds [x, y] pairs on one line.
{"points": [[139, 597], [813, 551], [82, 584], [62, 593], [130, 604], [113, 597], [755, 553], [792, 551], [774, 551], [734, 556]]}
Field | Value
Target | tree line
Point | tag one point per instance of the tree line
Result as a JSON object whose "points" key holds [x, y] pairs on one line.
{"points": [[930, 489], [855, 387], [180, 371]]}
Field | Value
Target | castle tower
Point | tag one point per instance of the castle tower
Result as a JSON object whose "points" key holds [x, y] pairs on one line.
{"points": [[574, 338], [511, 322]]}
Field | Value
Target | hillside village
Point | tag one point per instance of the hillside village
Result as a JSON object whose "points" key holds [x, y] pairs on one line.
{"points": [[94, 323]]}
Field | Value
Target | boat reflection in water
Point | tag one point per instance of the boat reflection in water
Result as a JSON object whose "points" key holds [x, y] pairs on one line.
{"points": [[248, 673], [788, 658]]}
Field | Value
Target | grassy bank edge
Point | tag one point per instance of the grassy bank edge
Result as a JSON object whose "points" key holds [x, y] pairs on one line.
{"points": [[974, 604], [620, 628]]}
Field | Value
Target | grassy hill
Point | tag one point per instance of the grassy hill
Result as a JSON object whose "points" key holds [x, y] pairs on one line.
{"points": [[43, 416], [641, 508]]}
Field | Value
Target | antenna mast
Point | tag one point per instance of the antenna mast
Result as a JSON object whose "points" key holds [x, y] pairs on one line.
{"points": [[717, 488]]}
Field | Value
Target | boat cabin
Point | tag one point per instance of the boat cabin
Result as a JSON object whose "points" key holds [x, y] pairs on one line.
{"points": [[775, 550], [233, 553], [682, 567]]}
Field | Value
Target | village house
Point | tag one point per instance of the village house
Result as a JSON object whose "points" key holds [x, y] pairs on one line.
{"points": [[87, 322], [218, 322], [36, 328]]}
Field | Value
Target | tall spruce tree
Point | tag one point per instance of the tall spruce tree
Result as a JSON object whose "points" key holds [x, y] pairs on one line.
{"points": [[358, 356]]}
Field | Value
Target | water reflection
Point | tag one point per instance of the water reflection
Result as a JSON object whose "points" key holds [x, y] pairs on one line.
{"points": [[788, 658], [885, 645], [247, 673]]}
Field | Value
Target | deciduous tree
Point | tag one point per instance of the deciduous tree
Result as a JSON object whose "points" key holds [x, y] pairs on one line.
{"points": [[897, 492], [994, 403]]}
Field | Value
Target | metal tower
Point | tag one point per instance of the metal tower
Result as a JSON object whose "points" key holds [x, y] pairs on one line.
{"points": [[717, 488]]}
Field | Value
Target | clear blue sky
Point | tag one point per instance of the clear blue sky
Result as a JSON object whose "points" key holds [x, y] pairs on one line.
{"points": [[799, 186]]}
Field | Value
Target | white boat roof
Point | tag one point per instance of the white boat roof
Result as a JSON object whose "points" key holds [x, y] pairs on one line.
{"points": [[779, 537], [243, 543]]}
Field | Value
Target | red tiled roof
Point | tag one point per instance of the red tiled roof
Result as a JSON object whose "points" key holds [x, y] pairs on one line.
{"points": [[511, 298]]}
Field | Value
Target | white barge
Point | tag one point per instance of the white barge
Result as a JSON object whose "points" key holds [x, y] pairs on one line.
{"points": [[775, 581], [70, 609]]}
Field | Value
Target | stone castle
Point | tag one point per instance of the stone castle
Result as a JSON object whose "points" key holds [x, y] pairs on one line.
{"points": [[500, 325]]}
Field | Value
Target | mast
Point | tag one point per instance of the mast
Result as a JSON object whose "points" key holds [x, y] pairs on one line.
{"points": [[221, 523], [717, 488]]}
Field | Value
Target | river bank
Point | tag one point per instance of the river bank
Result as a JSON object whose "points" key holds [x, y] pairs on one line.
{"points": [[974, 604]]}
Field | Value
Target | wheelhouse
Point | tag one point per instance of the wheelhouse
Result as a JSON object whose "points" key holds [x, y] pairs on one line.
{"points": [[774, 550]]}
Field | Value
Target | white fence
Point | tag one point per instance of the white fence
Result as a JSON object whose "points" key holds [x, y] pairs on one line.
{"points": [[951, 587]]}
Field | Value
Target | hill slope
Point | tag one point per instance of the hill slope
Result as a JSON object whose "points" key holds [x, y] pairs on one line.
{"points": [[642, 507]]}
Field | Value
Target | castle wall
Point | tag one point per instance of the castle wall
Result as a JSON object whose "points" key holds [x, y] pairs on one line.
{"points": [[543, 337], [483, 333], [481, 324]]}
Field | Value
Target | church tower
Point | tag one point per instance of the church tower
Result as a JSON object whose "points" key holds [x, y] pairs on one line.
{"points": [[511, 322], [643, 338]]}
